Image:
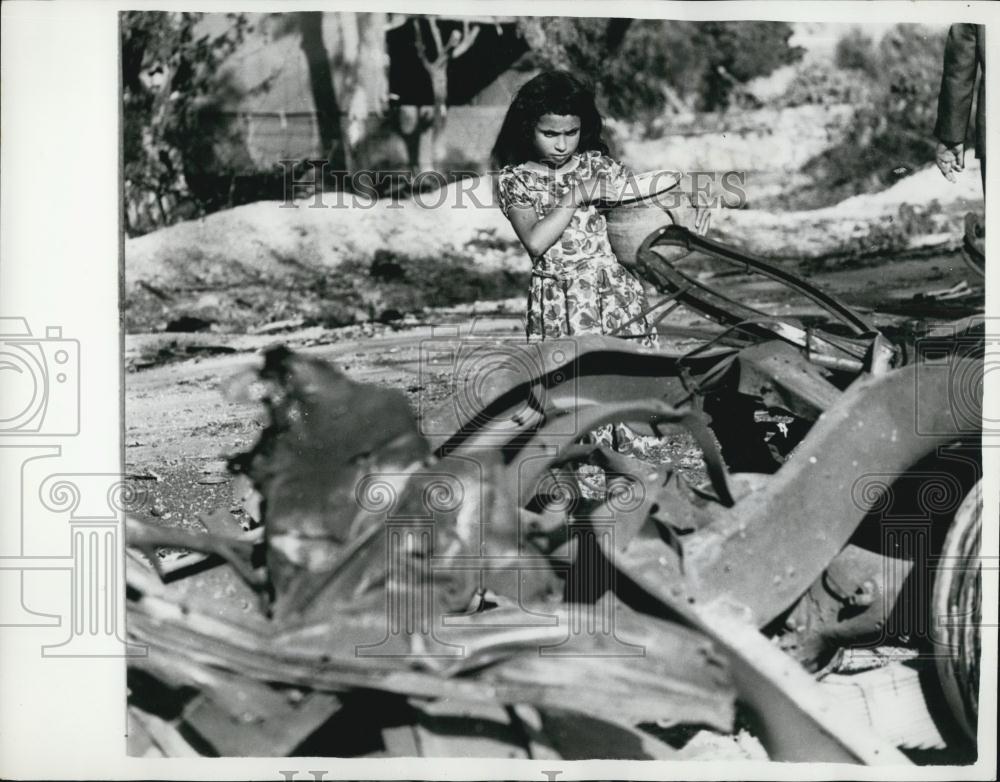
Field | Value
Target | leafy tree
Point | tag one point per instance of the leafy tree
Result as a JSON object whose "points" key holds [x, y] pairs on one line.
{"points": [[737, 52], [644, 66], [822, 83], [855, 51], [172, 90], [659, 67], [183, 154], [892, 128], [910, 58]]}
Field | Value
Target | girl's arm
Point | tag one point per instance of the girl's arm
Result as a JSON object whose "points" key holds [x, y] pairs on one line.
{"points": [[538, 235]]}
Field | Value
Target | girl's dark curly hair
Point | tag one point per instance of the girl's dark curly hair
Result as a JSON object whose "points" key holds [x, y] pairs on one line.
{"points": [[550, 92]]}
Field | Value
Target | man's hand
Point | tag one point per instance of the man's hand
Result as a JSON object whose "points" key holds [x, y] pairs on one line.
{"points": [[950, 159]]}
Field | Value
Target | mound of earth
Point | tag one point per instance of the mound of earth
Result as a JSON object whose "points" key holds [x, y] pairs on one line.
{"points": [[352, 260], [922, 212], [338, 259]]}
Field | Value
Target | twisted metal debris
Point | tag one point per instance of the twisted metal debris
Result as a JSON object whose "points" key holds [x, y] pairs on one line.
{"points": [[450, 566]]}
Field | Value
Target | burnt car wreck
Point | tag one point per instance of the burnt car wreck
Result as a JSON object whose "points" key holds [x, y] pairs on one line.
{"points": [[411, 577]]}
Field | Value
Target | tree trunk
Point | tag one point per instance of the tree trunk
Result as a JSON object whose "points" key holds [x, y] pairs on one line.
{"points": [[414, 122], [674, 100], [439, 89], [360, 75], [344, 48], [436, 66], [328, 114], [373, 63], [370, 101], [614, 34]]}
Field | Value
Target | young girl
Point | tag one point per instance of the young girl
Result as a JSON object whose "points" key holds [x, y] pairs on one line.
{"points": [[553, 166]]}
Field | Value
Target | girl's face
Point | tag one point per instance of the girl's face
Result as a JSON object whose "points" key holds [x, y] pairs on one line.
{"points": [[556, 138]]}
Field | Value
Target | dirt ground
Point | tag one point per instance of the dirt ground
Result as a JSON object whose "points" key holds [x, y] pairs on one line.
{"points": [[183, 417]]}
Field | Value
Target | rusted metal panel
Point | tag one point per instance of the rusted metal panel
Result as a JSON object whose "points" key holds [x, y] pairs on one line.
{"points": [[239, 716], [771, 546], [798, 721], [782, 378], [501, 390], [675, 673], [707, 300], [849, 605]]}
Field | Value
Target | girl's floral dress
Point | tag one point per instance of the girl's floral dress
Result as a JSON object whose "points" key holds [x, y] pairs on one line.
{"points": [[578, 286]]}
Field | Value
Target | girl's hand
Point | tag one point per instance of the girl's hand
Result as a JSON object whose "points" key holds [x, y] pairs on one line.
{"points": [[595, 188], [702, 218]]}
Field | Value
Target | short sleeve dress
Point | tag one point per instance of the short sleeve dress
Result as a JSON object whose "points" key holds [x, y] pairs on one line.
{"points": [[578, 286]]}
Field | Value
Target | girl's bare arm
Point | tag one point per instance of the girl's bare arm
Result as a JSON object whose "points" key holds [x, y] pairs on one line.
{"points": [[538, 235]]}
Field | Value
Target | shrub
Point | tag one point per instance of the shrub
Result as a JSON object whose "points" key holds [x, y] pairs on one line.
{"points": [[821, 84], [855, 51], [894, 122], [181, 152], [642, 66]]}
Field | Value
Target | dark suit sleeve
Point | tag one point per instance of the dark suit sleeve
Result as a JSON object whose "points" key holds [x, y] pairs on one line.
{"points": [[957, 83]]}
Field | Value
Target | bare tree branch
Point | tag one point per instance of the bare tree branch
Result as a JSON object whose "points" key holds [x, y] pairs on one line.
{"points": [[468, 38], [418, 40], [438, 48], [459, 42], [395, 21]]}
